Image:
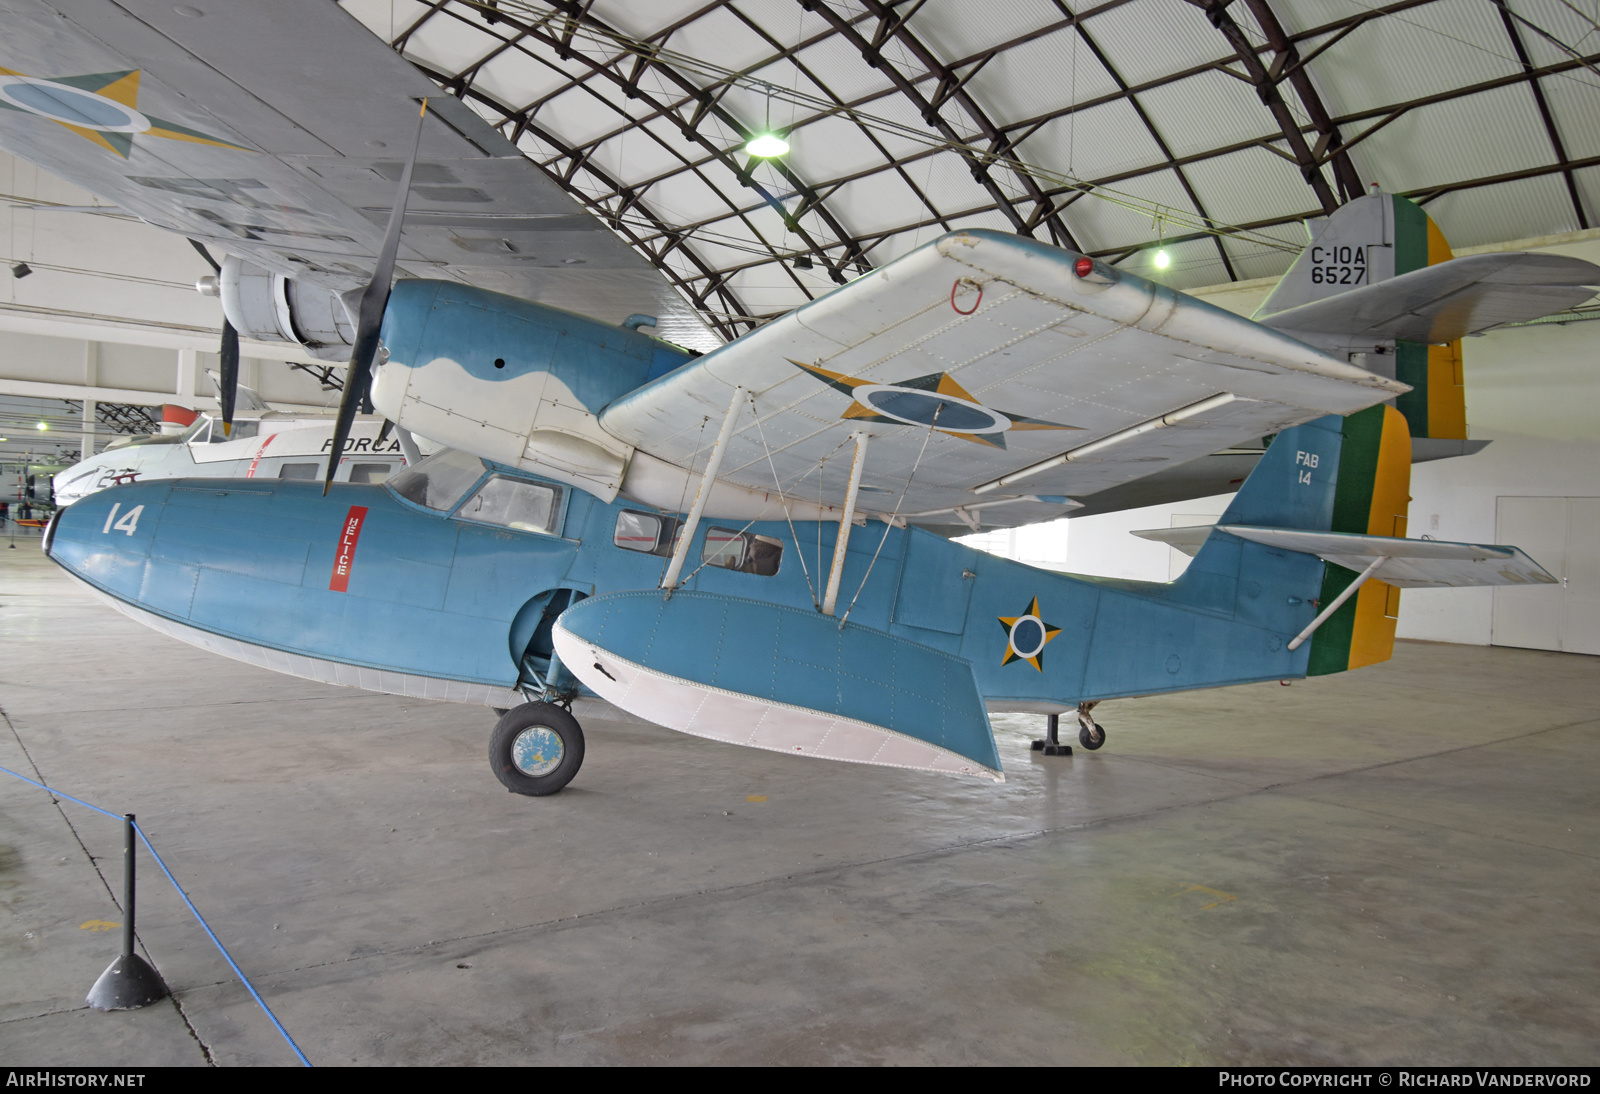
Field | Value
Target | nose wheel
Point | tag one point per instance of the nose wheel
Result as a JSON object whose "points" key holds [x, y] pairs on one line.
{"points": [[536, 749]]}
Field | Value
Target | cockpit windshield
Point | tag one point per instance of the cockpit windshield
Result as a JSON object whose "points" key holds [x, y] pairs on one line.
{"points": [[438, 481]]}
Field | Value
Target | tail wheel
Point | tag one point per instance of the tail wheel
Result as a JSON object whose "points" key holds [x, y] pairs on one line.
{"points": [[1091, 739], [536, 749]]}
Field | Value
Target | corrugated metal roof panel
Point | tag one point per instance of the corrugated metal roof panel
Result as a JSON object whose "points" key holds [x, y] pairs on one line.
{"points": [[1148, 38], [1414, 53], [960, 28], [1041, 76], [1562, 23], [1426, 147], [1250, 185], [839, 68], [1511, 210], [388, 19], [1206, 111], [1094, 143], [1100, 220], [1251, 259], [1575, 105], [721, 36], [1588, 183]]}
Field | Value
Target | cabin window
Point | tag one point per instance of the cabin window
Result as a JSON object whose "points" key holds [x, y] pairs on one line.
{"points": [[370, 472], [741, 551], [515, 503], [646, 532], [298, 471], [241, 430], [438, 481]]}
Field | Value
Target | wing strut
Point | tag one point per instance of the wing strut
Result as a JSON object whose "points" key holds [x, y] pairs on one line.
{"points": [[830, 599], [1338, 602], [703, 495]]}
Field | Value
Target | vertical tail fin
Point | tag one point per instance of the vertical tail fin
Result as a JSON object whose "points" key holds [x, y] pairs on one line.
{"points": [[1365, 242], [1335, 474]]}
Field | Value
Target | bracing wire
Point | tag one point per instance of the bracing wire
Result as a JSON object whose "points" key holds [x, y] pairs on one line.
{"points": [[784, 501], [888, 524]]}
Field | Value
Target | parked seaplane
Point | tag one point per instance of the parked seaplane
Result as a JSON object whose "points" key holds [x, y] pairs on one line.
{"points": [[747, 544], [728, 545], [262, 444]]}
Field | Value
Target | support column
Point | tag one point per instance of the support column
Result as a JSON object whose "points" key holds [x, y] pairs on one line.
{"points": [[184, 388], [91, 379], [830, 599], [703, 495]]}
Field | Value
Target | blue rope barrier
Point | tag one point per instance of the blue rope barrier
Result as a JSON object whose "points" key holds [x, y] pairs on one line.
{"points": [[226, 956]]}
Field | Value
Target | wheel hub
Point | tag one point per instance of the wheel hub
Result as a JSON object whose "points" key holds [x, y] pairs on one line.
{"points": [[537, 751]]}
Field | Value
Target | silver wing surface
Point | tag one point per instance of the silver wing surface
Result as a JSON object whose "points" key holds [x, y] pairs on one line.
{"points": [[1450, 300], [275, 131], [987, 372]]}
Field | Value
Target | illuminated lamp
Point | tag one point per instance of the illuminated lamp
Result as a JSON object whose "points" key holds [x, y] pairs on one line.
{"points": [[766, 146]]}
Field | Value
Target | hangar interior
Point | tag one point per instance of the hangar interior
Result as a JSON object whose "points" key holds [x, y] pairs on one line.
{"points": [[1389, 865]]}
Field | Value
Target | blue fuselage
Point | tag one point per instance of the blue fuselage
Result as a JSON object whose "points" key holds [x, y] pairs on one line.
{"points": [[432, 594]]}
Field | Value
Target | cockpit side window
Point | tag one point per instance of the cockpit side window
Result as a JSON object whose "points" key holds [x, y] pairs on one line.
{"points": [[515, 503], [438, 481]]}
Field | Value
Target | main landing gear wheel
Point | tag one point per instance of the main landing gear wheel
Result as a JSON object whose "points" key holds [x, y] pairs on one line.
{"points": [[536, 749]]}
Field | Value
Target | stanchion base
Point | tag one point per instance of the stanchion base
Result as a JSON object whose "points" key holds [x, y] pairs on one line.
{"points": [[130, 983]]}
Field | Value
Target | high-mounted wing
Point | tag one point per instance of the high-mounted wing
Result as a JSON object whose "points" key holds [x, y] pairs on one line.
{"points": [[1450, 300], [988, 370], [276, 131]]}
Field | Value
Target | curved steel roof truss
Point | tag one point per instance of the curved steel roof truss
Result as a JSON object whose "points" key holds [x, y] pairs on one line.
{"points": [[934, 136]]}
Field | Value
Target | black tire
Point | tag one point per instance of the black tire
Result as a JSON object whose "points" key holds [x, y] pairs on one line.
{"points": [[1091, 741], [535, 779]]}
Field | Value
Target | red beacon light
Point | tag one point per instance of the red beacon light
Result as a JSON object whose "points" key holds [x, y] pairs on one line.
{"points": [[1093, 272]]}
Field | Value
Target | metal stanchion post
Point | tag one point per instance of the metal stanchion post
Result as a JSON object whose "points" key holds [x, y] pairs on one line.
{"points": [[129, 983]]}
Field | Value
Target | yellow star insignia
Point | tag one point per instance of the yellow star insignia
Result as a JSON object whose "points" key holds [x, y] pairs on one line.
{"points": [[1026, 636]]}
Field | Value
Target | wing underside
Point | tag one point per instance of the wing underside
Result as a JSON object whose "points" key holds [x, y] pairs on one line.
{"points": [[972, 364]]}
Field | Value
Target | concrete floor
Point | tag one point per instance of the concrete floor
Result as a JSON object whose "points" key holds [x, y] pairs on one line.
{"points": [[1389, 866]]}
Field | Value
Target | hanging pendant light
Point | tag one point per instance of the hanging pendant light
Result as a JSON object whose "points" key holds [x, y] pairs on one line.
{"points": [[766, 144]]}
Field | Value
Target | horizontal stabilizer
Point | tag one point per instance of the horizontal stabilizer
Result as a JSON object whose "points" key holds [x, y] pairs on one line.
{"points": [[1409, 563], [756, 674], [1450, 300], [1188, 538]]}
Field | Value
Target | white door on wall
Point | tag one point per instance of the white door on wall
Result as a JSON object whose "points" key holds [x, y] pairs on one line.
{"points": [[1563, 536], [1582, 592]]}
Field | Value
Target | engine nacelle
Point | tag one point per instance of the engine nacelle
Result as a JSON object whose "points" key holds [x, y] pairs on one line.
{"points": [[523, 384], [268, 307]]}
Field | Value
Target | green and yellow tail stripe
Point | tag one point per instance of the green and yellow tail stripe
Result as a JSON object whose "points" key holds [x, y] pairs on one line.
{"points": [[1372, 497], [1437, 404]]}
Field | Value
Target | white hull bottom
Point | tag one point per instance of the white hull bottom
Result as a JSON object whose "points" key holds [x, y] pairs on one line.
{"points": [[720, 715], [314, 668]]}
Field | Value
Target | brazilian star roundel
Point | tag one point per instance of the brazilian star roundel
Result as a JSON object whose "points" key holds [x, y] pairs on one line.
{"points": [[1027, 635], [935, 401]]}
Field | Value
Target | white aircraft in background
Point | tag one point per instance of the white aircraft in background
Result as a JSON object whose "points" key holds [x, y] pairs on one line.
{"points": [[265, 444]]}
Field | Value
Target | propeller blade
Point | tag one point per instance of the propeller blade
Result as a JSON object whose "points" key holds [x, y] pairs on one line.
{"points": [[369, 315], [383, 434], [229, 387]]}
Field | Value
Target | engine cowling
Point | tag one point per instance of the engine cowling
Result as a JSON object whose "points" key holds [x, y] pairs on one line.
{"points": [[268, 307]]}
